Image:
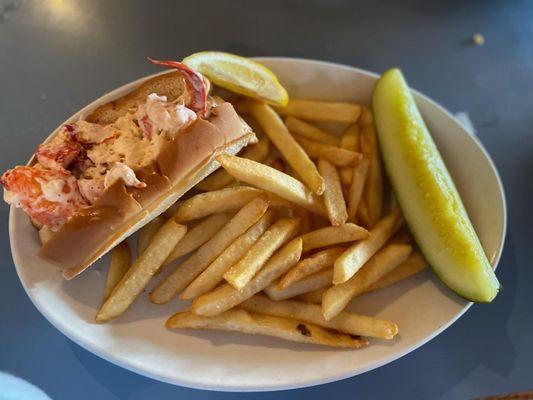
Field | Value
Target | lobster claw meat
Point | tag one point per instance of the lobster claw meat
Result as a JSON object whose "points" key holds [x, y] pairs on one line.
{"points": [[49, 196], [194, 84]]}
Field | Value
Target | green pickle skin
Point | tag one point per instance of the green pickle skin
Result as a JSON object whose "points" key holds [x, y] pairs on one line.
{"points": [[431, 204]]}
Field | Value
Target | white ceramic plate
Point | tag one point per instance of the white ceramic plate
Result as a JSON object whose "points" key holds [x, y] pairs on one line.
{"points": [[421, 306]]}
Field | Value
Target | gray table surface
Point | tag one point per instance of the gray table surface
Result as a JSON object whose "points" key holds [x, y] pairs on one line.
{"points": [[57, 55]]}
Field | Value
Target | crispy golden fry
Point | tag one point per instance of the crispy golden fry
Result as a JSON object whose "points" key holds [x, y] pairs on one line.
{"points": [[312, 282], [412, 266], [255, 258], [331, 235], [335, 155], [356, 188], [219, 179], [350, 323], [239, 320], [226, 296], [373, 191], [358, 254], [322, 111], [350, 141], [272, 180], [362, 214], [338, 296], [289, 148], [218, 201], [147, 232], [345, 174], [333, 197], [198, 235], [350, 138], [366, 117], [145, 266], [311, 132], [309, 266], [120, 263], [214, 273], [206, 254], [314, 297]]}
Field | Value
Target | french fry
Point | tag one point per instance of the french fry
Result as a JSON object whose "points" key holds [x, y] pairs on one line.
{"points": [[239, 320], [350, 141], [311, 132], [373, 191], [338, 296], [350, 138], [198, 235], [366, 117], [333, 197], [289, 148], [314, 297], [147, 232], [335, 155], [271, 180], [219, 179], [119, 265], [226, 296], [145, 266], [205, 255], [350, 323], [312, 282], [322, 111], [218, 201], [240, 274], [362, 214], [412, 266], [332, 235], [309, 266], [358, 254], [345, 174], [214, 273], [356, 188]]}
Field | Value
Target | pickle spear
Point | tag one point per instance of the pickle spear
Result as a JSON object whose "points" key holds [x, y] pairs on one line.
{"points": [[431, 205]]}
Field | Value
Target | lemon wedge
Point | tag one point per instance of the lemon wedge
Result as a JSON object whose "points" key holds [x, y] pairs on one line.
{"points": [[240, 75], [427, 194]]}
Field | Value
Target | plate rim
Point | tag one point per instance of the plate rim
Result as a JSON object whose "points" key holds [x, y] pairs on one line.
{"points": [[198, 384]]}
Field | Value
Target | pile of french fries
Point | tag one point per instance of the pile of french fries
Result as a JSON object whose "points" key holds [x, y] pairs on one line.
{"points": [[280, 239]]}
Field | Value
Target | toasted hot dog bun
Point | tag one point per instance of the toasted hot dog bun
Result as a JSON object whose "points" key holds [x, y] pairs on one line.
{"points": [[121, 210]]}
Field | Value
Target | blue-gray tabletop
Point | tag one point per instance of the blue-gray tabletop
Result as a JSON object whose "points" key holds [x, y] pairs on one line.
{"points": [[57, 55]]}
